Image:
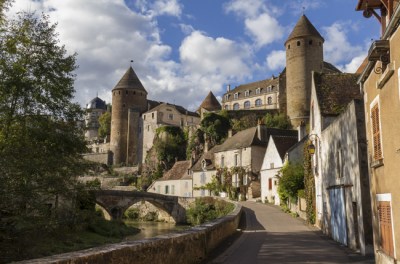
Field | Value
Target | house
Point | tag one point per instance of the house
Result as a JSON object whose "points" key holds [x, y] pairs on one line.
{"points": [[380, 83], [339, 162], [272, 163], [165, 115], [203, 172], [246, 149], [177, 181]]}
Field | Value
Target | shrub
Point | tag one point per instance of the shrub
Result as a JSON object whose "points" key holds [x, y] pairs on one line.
{"points": [[132, 214], [206, 209]]}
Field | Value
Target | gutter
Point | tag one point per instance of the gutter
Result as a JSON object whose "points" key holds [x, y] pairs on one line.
{"points": [[393, 24]]}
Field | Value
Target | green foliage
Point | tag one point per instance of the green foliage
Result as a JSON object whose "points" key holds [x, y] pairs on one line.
{"points": [[215, 128], [277, 121], [205, 209], [105, 125], [40, 139], [132, 214], [291, 181], [309, 186], [195, 144], [244, 122], [170, 145]]}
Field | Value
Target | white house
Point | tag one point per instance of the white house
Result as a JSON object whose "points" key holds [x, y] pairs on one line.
{"points": [[176, 182], [203, 171], [273, 161]]}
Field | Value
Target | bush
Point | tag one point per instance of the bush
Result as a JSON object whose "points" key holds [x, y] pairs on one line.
{"points": [[207, 209], [132, 214]]}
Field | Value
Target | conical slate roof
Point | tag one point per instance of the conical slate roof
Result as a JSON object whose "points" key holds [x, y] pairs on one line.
{"points": [[130, 81], [210, 103], [304, 28]]}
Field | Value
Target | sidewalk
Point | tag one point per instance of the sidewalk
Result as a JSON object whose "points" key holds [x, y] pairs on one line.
{"points": [[271, 236]]}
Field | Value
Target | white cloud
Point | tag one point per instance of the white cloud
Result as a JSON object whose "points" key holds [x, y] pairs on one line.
{"points": [[300, 6], [337, 47], [276, 60], [249, 8], [354, 64], [264, 29]]}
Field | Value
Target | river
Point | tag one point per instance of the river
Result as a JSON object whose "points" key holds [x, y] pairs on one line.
{"points": [[152, 229]]}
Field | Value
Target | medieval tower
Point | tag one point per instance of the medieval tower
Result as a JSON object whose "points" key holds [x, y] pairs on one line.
{"points": [[129, 100], [304, 54]]}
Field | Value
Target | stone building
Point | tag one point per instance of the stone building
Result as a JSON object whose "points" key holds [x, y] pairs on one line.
{"points": [[209, 104], [290, 91], [339, 163], [94, 109], [380, 83], [165, 115]]}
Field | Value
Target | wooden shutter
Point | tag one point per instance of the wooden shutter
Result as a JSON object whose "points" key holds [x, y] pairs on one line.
{"points": [[376, 133], [270, 184], [385, 223]]}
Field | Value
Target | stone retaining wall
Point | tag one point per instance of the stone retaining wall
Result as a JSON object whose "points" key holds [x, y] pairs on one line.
{"points": [[190, 246]]}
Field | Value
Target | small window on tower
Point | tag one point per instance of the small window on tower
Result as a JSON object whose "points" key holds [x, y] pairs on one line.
{"points": [[288, 47], [298, 43], [134, 92], [123, 105], [310, 42], [126, 92], [320, 43]]}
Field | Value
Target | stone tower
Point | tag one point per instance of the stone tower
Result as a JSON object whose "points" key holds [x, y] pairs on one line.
{"points": [[129, 100], [304, 54]]}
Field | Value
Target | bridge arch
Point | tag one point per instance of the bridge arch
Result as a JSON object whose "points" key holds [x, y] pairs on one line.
{"points": [[117, 202]]}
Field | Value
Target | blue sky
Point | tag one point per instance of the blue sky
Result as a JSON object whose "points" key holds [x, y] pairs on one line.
{"points": [[184, 48]]}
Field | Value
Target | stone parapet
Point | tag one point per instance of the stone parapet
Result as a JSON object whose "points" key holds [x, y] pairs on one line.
{"points": [[190, 246]]}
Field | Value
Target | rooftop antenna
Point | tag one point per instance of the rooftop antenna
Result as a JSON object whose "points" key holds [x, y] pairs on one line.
{"points": [[131, 63]]}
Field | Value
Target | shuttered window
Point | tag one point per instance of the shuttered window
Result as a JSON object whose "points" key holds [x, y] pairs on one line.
{"points": [[270, 184], [385, 224], [376, 133]]}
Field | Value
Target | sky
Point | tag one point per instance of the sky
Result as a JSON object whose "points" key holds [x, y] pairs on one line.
{"points": [[182, 49]]}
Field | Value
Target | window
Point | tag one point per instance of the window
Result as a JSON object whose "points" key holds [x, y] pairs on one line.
{"points": [[288, 46], [126, 92], [271, 165], [158, 188], [236, 96], [171, 116], [269, 100], [246, 93], [376, 133], [270, 184], [385, 225], [269, 89], [172, 189], [227, 97], [222, 161], [310, 42], [258, 90], [258, 102], [298, 43], [203, 178], [166, 189], [236, 106], [152, 115], [247, 105], [144, 117], [339, 162], [226, 107], [236, 160]]}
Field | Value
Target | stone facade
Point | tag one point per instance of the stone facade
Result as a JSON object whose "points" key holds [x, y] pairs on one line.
{"points": [[380, 82], [94, 109]]}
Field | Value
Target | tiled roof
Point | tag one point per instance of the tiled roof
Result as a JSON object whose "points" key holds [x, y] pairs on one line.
{"points": [[335, 91], [210, 103], [209, 158], [178, 108], [284, 143], [329, 68], [178, 171], [130, 81], [304, 28]]}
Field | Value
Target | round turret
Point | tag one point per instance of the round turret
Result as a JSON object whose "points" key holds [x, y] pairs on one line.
{"points": [[304, 54], [129, 100]]}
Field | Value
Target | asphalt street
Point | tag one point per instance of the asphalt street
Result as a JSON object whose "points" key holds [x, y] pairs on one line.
{"points": [[272, 236]]}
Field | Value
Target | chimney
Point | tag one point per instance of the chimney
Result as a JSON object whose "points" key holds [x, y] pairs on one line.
{"points": [[301, 130], [228, 88], [229, 133]]}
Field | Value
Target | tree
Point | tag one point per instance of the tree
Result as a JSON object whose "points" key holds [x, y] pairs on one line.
{"points": [[40, 139], [277, 121], [105, 125], [291, 181], [215, 128]]}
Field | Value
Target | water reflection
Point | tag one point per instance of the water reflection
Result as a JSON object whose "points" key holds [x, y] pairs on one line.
{"points": [[152, 229]]}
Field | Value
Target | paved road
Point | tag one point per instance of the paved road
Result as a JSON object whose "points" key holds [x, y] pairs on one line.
{"points": [[272, 236]]}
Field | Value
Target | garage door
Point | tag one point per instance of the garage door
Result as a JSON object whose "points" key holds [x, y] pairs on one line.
{"points": [[338, 215]]}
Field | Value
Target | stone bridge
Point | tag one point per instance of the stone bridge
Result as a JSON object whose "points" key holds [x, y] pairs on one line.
{"points": [[116, 202]]}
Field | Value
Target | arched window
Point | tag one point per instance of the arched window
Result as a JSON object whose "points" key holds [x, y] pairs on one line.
{"points": [[236, 106], [247, 105], [298, 43], [270, 100], [258, 102]]}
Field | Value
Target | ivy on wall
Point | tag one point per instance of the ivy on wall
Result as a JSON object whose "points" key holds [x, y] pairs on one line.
{"points": [[309, 185]]}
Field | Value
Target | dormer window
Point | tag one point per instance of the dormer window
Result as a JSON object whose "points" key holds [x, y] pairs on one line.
{"points": [[269, 89], [236, 96], [258, 90], [246, 93], [227, 97]]}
